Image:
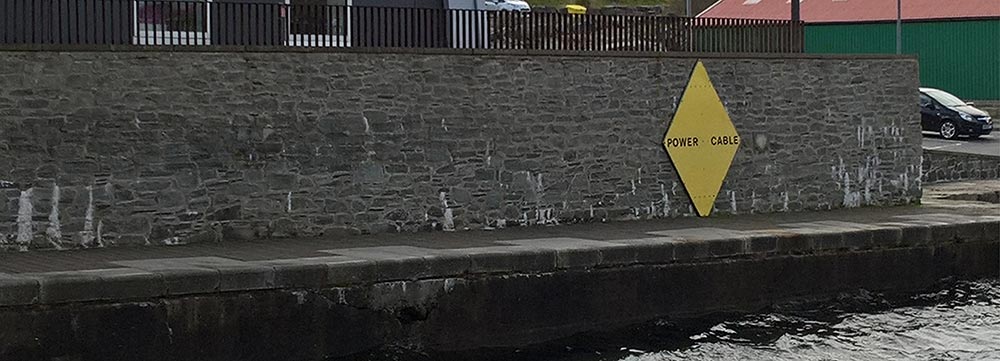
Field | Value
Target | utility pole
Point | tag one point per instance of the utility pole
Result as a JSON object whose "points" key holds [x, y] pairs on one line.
{"points": [[688, 4], [794, 26], [899, 27]]}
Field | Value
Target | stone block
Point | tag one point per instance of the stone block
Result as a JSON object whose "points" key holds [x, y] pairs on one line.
{"points": [[18, 290], [691, 250], [509, 259], [763, 242], [733, 247], [971, 231], [303, 275], [244, 277], [185, 281], [179, 277], [651, 250], [913, 234], [570, 252], [233, 275], [99, 284], [792, 243], [350, 272], [820, 237]]}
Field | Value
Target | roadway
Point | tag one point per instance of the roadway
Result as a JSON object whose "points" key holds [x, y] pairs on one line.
{"points": [[986, 145]]}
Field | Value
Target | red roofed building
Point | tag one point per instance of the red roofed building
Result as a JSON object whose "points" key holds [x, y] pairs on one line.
{"points": [[956, 41]]}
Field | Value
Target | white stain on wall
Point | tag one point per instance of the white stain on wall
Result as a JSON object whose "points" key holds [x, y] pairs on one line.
{"points": [[25, 210], [449, 217], [87, 235], [666, 201], [54, 230]]}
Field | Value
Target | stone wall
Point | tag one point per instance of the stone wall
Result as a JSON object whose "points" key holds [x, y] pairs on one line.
{"points": [[103, 148], [944, 166]]}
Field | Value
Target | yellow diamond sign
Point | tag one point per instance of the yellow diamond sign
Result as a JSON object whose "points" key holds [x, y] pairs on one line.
{"points": [[701, 141]]}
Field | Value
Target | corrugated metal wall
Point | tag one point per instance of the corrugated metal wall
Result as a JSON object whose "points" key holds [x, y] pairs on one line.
{"points": [[961, 57]]}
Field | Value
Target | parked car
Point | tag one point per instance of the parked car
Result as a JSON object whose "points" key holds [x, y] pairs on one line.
{"points": [[950, 117], [509, 5]]}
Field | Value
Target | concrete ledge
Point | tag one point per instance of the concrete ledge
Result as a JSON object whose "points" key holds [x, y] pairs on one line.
{"points": [[352, 267], [484, 310]]}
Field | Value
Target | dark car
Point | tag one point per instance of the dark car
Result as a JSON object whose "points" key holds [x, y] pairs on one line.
{"points": [[950, 117]]}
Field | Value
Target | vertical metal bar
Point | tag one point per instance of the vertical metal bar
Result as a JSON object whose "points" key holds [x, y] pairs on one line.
{"points": [[602, 27], [556, 26], [57, 37], [7, 25], [731, 34], [717, 31], [707, 35], [244, 24], [254, 15], [33, 21], [105, 21], [564, 27], [189, 25], [899, 28], [544, 39], [175, 22], [723, 35], [741, 25], [75, 33], [402, 26]]}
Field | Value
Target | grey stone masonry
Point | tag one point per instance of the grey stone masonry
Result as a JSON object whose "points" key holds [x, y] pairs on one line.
{"points": [[944, 166], [106, 148]]}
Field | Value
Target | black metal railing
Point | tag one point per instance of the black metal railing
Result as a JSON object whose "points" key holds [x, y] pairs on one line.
{"points": [[234, 22]]}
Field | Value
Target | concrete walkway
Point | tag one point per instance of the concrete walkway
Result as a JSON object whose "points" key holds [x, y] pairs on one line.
{"points": [[49, 277]]}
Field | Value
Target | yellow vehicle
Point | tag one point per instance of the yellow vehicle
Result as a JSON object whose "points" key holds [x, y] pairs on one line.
{"points": [[576, 9]]}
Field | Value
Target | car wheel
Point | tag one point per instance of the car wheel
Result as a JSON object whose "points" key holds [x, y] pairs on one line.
{"points": [[948, 130]]}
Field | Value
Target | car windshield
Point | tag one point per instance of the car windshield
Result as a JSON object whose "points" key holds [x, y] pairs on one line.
{"points": [[945, 99]]}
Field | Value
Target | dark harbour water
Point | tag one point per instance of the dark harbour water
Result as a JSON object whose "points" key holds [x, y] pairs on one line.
{"points": [[957, 321]]}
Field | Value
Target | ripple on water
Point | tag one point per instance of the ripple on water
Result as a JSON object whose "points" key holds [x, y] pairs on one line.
{"points": [[958, 323]]}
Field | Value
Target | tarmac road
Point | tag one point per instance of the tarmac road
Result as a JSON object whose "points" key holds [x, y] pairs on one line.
{"points": [[986, 145]]}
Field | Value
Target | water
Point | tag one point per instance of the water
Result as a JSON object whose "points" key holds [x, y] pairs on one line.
{"points": [[959, 321]]}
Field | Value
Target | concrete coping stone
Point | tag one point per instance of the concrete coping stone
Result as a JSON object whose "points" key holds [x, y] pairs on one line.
{"points": [[150, 278], [98, 284]]}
